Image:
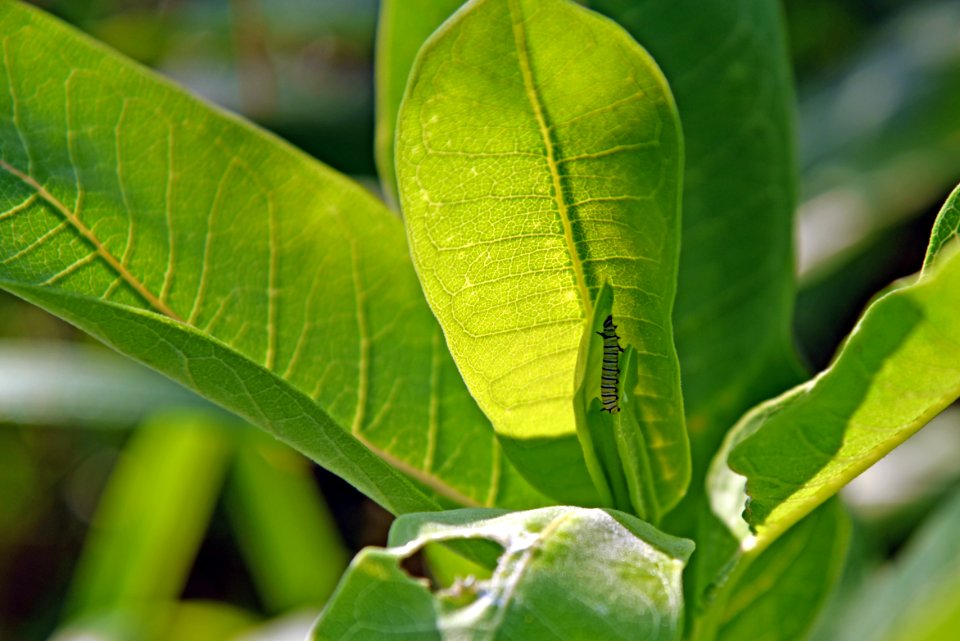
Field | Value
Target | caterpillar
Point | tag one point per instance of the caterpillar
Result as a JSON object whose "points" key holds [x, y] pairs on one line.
{"points": [[610, 377]]}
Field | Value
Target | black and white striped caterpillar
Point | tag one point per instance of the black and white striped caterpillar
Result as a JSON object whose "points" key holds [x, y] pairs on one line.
{"points": [[610, 378]]}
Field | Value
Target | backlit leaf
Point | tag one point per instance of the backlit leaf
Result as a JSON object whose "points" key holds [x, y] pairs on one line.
{"points": [[540, 157]]}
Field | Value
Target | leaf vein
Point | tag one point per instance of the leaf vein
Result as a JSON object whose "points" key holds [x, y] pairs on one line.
{"points": [[74, 221]]}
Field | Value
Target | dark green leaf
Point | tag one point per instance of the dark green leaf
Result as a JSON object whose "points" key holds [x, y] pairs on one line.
{"points": [[778, 596]]}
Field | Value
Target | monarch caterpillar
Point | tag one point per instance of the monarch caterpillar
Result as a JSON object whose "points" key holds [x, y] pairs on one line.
{"points": [[609, 379]]}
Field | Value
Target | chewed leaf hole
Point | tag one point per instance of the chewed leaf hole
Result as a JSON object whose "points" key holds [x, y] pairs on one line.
{"points": [[415, 566]]}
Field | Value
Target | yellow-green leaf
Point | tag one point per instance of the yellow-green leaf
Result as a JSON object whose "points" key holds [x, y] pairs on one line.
{"points": [[539, 156]]}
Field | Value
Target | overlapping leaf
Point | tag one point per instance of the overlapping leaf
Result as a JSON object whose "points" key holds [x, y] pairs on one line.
{"points": [[540, 157], [897, 370], [230, 262]]}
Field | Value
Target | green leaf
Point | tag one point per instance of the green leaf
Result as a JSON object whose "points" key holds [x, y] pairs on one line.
{"points": [[945, 229], [732, 591], [403, 26], [285, 531], [728, 68], [152, 516], [546, 585], [914, 598], [778, 595], [897, 370], [624, 456], [539, 156], [227, 260]]}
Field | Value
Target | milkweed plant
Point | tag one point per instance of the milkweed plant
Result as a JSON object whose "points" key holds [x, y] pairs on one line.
{"points": [[549, 173]]}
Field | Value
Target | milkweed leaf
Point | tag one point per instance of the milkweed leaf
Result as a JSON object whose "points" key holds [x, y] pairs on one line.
{"points": [[219, 255], [546, 583], [539, 157]]}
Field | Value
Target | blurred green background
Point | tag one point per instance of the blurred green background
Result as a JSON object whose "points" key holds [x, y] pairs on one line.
{"points": [[130, 509]]}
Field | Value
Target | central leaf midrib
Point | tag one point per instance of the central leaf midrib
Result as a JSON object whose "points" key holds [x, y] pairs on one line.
{"points": [[85, 232], [539, 111]]}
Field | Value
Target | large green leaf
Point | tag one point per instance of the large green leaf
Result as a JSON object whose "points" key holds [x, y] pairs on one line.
{"points": [[539, 158], [547, 584], [733, 592], [727, 65], [898, 369], [225, 259], [403, 26]]}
